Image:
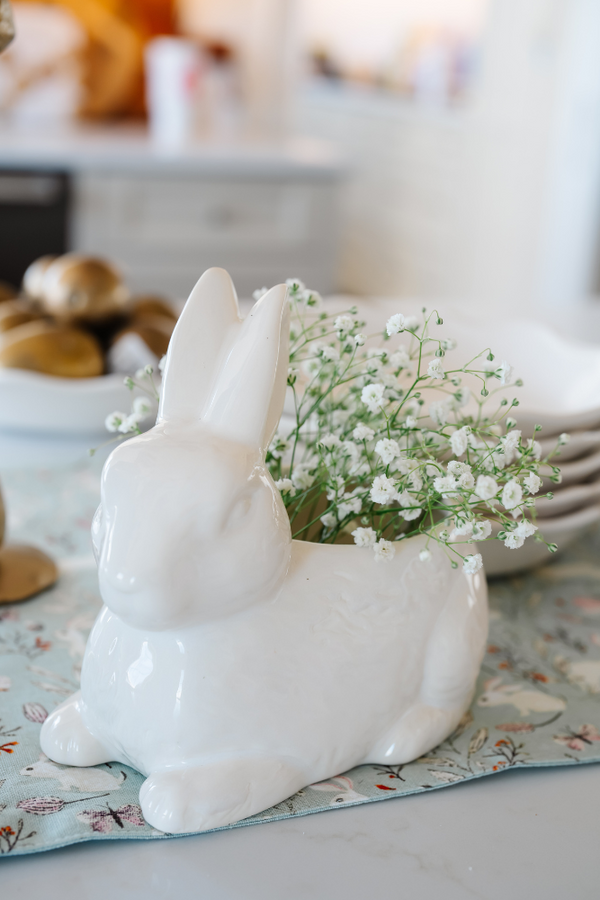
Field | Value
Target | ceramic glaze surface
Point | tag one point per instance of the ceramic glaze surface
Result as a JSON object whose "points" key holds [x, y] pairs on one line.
{"points": [[220, 663]]}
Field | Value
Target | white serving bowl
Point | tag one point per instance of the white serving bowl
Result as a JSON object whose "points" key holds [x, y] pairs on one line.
{"points": [[560, 530], [32, 402]]}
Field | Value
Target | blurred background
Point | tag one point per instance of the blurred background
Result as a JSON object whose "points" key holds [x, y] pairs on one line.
{"points": [[439, 149]]}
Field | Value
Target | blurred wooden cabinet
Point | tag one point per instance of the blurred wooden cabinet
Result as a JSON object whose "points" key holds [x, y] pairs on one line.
{"points": [[165, 229], [265, 212]]}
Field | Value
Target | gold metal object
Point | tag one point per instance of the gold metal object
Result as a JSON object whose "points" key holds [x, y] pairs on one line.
{"points": [[7, 27]]}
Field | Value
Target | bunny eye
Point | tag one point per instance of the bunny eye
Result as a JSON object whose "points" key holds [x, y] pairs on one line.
{"points": [[240, 510]]}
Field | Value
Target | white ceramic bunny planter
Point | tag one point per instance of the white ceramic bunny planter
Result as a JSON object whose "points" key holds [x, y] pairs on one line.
{"points": [[231, 665]]}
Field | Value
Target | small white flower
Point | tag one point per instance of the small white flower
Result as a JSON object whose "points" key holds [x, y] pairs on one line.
{"points": [[439, 411], [486, 487], [131, 423], [482, 530], [564, 438], [330, 441], [472, 563], [409, 514], [400, 358], [260, 292], [330, 354], [372, 397], [435, 369], [384, 550], [514, 540], [411, 422], [461, 397], [433, 471], [312, 299], [466, 481], [459, 441], [374, 366], [295, 284], [411, 323], [364, 537], [525, 528], [535, 447], [388, 450], [311, 367], [383, 490], [286, 486], [114, 421], [329, 520], [512, 494], [532, 482], [504, 372], [395, 324], [425, 555], [362, 433], [359, 339], [278, 446], [445, 485], [142, 406], [461, 529], [162, 363], [302, 478], [349, 505], [344, 324]]}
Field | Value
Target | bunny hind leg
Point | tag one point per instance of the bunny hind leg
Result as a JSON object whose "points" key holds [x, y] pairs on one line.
{"points": [[201, 797], [451, 665], [420, 729], [65, 739]]}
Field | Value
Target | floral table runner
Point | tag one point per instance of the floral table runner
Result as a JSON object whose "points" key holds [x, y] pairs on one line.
{"points": [[537, 701]]}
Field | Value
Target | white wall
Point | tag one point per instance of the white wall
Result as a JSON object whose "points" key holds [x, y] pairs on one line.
{"points": [[496, 204]]}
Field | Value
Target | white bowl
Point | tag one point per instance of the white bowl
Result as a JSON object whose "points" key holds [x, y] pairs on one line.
{"points": [[32, 402], [568, 500], [582, 443], [572, 472], [560, 530], [561, 376]]}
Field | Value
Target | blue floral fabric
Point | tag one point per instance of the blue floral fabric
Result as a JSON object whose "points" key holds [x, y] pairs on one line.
{"points": [[537, 702]]}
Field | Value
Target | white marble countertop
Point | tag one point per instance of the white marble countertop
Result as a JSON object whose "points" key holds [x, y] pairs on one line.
{"points": [[129, 148], [521, 834]]}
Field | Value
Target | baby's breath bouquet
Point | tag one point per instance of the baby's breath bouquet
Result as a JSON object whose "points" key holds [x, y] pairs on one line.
{"points": [[383, 441]]}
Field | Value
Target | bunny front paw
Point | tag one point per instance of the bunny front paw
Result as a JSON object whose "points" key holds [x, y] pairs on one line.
{"points": [[198, 798], [65, 738]]}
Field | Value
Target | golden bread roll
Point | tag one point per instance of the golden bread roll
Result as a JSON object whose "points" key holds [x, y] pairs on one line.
{"points": [[34, 277], [7, 292], [58, 350], [81, 288], [15, 312], [155, 331], [144, 305]]}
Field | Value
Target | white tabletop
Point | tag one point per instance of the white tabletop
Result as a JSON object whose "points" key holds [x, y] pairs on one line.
{"points": [[522, 834]]}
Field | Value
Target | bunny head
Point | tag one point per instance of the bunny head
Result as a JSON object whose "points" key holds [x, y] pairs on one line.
{"points": [[191, 526]]}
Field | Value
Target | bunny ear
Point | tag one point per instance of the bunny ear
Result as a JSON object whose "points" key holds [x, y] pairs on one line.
{"points": [[347, 782], [248, 398], [492, 683], [208, 317]]}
